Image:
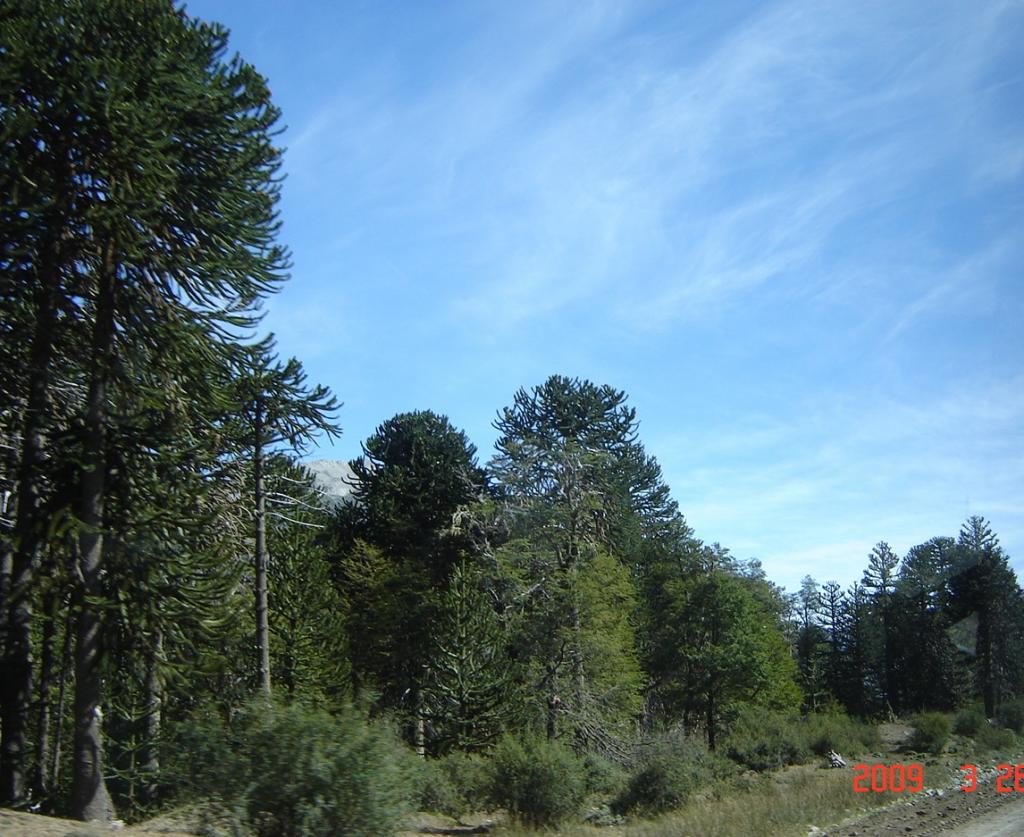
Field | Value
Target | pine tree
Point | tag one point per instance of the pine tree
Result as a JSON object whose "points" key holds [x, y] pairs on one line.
{"points": [[470, 692], [811, 644], [275, 406], [880, 580], [416, 473], [930, 670], [143, 190], [564, 460], [984, 584]]}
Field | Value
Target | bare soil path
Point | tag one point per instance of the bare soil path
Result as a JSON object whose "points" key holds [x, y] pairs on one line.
{"points": [[954, 813]]}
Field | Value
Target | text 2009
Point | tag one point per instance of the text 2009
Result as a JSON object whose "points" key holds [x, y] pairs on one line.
{"points": [[897, 778]]}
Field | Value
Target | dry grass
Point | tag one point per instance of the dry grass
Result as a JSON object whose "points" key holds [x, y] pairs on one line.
{"points": [[787, 802]]}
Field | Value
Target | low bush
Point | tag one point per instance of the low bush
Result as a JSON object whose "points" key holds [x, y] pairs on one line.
{"points": [[435, 791], [297, 772], [841, 733], [969, 721], [456, 784], [669, 771], [995, 739], [931, 732], [1011, 715], [539, 782], [604, 776], [762, 740]]}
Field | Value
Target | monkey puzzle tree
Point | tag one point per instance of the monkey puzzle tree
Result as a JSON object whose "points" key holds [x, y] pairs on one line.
{"points": [[417, 471], [569, 466], [880, 580], [139, 171], [275, 407], [984, 584]]}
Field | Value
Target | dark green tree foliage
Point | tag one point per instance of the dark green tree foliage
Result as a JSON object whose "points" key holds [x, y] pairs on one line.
{"points": [[850, 687], [929, 664], [140, 174], [570, 467], [416, 472], [397, 549], [812, 647], [470, 693], [275, 406], [308, 648], [718, 648], [984, 584], [169, 568], [880, 582]]}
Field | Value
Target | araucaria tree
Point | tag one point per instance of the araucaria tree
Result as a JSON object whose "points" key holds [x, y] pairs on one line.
{"points": [[138, 170], [564, 450], [397, 549], [275, 407]]}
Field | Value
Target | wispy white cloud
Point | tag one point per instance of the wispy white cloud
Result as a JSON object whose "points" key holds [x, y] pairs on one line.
{"points": [[691, 187], [798, 493]]}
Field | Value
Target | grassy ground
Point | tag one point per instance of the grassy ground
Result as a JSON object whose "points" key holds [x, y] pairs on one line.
{"points": [[793, 801], [790, 801]]}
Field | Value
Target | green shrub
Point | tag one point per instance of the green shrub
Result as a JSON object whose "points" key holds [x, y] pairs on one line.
{"points": [[762, 740], [991, 738], [970, 722], [931, 732], [1011, 715], [838, 731], [604, 776], [539, 782], [471, 775], [435, 791], [670, 770], [456, 784], [298, 772]]}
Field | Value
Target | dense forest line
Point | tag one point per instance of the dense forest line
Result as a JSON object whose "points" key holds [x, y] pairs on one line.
{"points": [[165, 554]]}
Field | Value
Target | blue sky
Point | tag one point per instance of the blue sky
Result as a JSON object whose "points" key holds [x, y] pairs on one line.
{"points": [[791, 231]]}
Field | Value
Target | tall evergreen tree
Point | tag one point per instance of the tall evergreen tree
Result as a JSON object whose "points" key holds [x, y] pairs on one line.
{"points": [[569, 464], [984, 584], [276, 406], [416, 473], [470, 689], [142, 179], [880, 580], [929, 665]]}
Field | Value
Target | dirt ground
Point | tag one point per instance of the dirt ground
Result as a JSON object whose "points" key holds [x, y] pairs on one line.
{"points": [[947, 810], [17, 824], [982, 812]]}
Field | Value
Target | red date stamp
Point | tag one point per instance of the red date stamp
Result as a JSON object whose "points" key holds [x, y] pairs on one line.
{"points": [[909, 778], [898, 778], [1009, 778]]}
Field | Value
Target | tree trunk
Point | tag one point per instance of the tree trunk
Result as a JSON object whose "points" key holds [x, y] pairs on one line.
{"points": [[65, 667], [39, 783], [150, 755], [712, 721], [262, 619], [419, 726], [17, 587], [579, 681], [89, 797], [984, 655], [553, 703]]}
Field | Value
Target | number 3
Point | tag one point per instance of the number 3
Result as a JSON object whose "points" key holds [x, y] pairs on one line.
{"points": [[971, 778]]}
